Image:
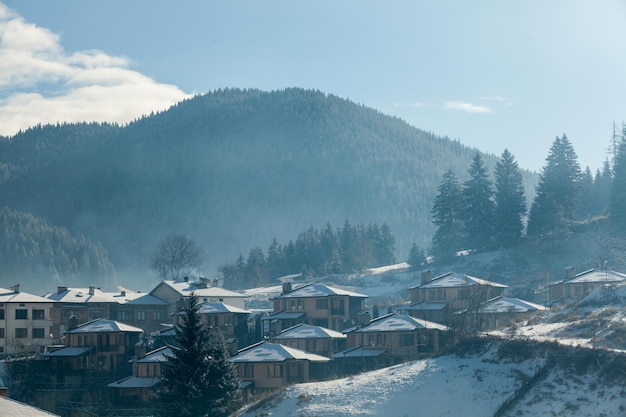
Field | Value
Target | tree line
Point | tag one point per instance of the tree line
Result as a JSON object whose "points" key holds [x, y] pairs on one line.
{"points": [[315, 252]]}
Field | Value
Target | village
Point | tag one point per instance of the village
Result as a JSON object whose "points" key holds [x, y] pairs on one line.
{"points": [[95, 346]]}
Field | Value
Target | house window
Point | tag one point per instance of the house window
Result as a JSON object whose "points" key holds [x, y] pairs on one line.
{"points": [[248, 371], [1, 313], [406, 339], [274, 371], [125, 315], [441, 294], [21, 314], [464, 294], [39, 314], [38, 333], [321, 304], [21, 333], [1, 332], [141, 315], [156, 315]]}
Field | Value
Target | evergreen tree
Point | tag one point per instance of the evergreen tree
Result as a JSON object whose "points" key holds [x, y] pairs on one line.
{"points": [[617, 208], [557, 191], [416, 257], [197, 379], [447, 217], [510, 202], [385, 246], [478, 207]]}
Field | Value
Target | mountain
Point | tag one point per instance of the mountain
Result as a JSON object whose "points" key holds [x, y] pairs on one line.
{"points": [[231, 169]]}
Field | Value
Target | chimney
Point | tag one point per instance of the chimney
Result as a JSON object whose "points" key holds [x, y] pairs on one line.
{"points": [[61, 289], [286, 287], [123, 293], [570, 272], [215, 282], [427, 276], [3, 392], [140, 350], [16, 288], [92, 289], [363, 318], [186, 278]]}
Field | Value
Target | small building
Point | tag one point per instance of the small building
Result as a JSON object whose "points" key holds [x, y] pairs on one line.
{"points": [[267, 366], [314, 339], [577, 286], [232, 322], [26, 322], [142, 310], [503, 311]]}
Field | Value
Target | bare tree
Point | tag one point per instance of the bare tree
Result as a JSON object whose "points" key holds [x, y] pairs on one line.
{"points": [[176, 256]]}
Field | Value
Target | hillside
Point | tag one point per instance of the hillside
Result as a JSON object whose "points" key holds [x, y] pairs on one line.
{"points": [[231, 169]]}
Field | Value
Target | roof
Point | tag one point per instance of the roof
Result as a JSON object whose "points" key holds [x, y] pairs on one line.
{"points": [[509, 305], [398, 323], [81, 295], [66, 351], [307, 331], [157, 355], [135, 382], [284, 315], [318, 290], [185, 288], [595, 276], [273, 352], [12, 408], [10, 296], [425, 306], [105, 326], [216, 308], [453, 279], [147, 299], [360, 352]]}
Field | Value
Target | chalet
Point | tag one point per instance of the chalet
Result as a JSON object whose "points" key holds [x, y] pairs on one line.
{"points": [[25, 322], [505, 311], [576, 286], [315, 304], [435, 299], [314, 339], [267, 366]]}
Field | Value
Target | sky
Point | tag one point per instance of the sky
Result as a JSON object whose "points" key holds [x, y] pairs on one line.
{"points": [[491, 74]]}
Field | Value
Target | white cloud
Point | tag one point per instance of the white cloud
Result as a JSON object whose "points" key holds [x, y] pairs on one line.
{"points": [[42, 83], [412, 104], [466, 107]]}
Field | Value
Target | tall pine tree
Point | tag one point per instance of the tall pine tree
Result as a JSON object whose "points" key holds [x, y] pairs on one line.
{"points": [[510, 202], [557, 192], [477, 214], [446, 212], [197, 379], [617, 207]]}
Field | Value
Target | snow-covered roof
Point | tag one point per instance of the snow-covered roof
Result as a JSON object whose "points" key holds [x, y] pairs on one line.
{"points": [[157, 355], [360, 352], [81, 295], [425, 306], [308, 331], [284, 315], [216, 308], [318, 290], [272, 352], [509, 305], [147, 299], [185, 288], [393, 322], [12, 408], [66, 351], [11, 296], [596, 276], [135, 382], [105, 326], [453, 280]]}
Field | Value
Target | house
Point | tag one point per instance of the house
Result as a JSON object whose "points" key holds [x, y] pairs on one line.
{"points": [[101, 344], [505, 311], [402, 337], [437, 298], [25, 322], [577, 286], [175, 291], [231, 321], [267, 366], [145, 380], [142, 310], [316, 304], [314, 339]]}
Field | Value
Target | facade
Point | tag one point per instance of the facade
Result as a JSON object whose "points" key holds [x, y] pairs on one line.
{"points": [[26, 322], [502, 312], [267, 366], [577, 286], [314, 339], [315, 304], [231, 321], [142, 310]]}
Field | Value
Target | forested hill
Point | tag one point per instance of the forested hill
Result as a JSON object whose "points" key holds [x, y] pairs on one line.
{"points": [[231, 169]]}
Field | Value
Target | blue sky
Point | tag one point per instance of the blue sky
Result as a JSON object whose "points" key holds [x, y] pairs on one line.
{"points": [[491, 74]]}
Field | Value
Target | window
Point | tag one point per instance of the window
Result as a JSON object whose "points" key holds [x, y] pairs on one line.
{"points": [[406, 339], [156, 315], [38, 333], [274, 371], [1, 313], [1, 332], [321, 304], [141, 315], [97, 314], [21, 314], [21, 333], [464, 294], [39, 314], [248, 371], [125, 315]]}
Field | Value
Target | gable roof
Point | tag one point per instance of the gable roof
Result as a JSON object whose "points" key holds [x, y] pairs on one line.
{"points": [[81, 295], [105, 326], [12, 408], [595, 276], [157, 355], [509, 305], [10, 296], [308, 331], [394, 322], [318, 290], [200, 289], [273, 352], [216, 308], [455, 280]]}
